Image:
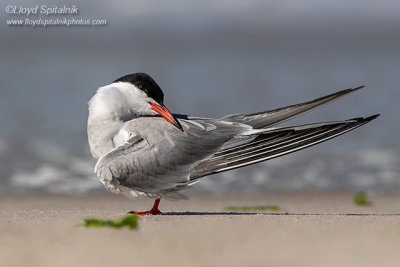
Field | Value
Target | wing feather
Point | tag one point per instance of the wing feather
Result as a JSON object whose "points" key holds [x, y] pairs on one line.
{"points": [[274, 144], [273, 117]]}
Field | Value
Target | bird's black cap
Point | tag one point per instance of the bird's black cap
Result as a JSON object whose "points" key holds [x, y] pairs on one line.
{"points": [[145, 83]]}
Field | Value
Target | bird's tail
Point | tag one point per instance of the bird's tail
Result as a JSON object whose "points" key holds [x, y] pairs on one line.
{"points": [[275, 143]]}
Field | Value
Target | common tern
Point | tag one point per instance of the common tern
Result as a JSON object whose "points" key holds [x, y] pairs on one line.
{"points": [[142, 149]]}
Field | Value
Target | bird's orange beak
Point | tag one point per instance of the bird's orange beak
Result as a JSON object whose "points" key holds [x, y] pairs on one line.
{"points": [[166, 114]]}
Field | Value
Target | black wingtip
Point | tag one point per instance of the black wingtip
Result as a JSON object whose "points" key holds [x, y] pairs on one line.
{"points": [[358, 88], [354, 89], [367, 119], [343, 92], [370, 118]]}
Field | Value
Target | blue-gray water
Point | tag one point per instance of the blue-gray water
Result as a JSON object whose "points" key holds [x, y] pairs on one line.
{"points": [[211, 60]]}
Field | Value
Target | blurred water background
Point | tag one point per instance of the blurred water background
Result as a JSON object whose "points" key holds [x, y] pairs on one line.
{"points": [[211, 59]]}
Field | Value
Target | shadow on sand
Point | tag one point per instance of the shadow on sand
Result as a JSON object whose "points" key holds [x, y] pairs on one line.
{"points": [[200, 213]]}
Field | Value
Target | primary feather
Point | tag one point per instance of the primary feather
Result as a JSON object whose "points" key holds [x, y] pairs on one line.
{"points": [[273, 117], [275, 143]]}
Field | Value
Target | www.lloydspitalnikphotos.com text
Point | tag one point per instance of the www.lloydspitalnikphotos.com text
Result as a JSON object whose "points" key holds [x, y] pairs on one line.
{"points": [[45, 15]]}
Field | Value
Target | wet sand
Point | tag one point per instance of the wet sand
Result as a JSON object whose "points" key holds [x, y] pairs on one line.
{"points": [[311, 229]]}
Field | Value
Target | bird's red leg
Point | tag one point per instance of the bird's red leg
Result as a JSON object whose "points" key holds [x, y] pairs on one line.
{"points": [[154, 210]]}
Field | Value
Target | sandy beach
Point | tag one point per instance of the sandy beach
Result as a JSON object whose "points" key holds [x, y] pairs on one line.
{"points": [[311, 229]]}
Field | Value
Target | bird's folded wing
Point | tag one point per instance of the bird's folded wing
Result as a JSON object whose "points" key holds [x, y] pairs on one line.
{"points": [[163, 158], [134, 168], [117, 163], [272, 117], [275, 143]]}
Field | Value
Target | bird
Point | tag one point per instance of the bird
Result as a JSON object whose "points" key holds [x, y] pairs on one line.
{"points": [[142, 149]]}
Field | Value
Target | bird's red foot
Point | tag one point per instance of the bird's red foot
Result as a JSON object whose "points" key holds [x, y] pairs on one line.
{"points": [[149, 212], [153, 211]]}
